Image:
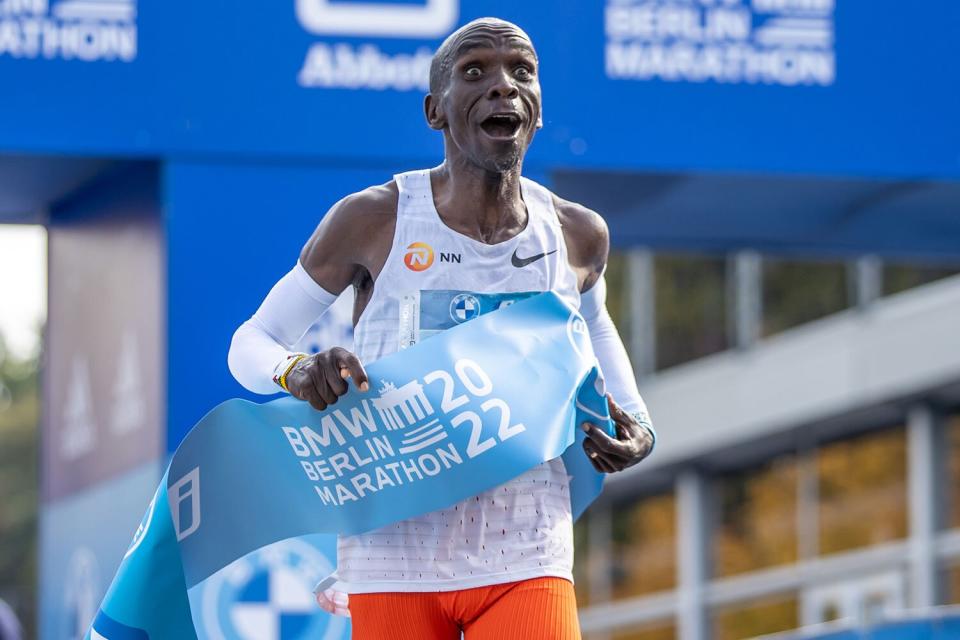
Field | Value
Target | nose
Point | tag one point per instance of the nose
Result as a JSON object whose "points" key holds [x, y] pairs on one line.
{"points": [[502, 86]]}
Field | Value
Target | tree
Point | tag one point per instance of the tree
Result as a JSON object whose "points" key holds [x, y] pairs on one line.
{"points": [[19, 444]]}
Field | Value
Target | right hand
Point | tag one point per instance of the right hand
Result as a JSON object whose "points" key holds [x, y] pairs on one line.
{"points": [[321, 379]]}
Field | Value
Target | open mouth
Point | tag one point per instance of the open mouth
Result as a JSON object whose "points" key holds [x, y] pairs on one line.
{"points": [[501, 125]]}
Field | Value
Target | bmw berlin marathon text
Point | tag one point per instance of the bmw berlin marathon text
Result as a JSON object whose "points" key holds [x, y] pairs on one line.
{"points": [[772, 42], [345, 65], [373, 462]]}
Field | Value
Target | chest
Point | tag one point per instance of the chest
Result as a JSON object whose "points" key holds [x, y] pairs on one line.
{"points": [[430, 256]]}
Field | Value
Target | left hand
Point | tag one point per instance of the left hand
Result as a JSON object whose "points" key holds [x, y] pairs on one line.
{"points": [[632, 444]]}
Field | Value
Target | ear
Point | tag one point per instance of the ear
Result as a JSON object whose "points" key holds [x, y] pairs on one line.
{"points": [[435, 117]]}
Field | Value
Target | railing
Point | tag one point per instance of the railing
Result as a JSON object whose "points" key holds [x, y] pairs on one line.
{"points": [[939, 623]]}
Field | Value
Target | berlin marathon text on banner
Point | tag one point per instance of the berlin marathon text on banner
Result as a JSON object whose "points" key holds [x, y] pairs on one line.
{"points": [[771, 42], [82, 30], [444, 420]]}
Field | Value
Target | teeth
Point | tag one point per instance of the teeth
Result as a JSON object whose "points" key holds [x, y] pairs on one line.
{"points": [[502, 124]]}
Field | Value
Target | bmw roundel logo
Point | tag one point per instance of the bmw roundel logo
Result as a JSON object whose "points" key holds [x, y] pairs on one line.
{"points": [[464, 307], [268, 595]]}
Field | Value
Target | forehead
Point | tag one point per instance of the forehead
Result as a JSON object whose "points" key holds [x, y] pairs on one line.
{"points": [[491, 37]]}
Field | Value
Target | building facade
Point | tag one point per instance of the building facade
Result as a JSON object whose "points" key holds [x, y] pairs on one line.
{"points": [[801, 477]]}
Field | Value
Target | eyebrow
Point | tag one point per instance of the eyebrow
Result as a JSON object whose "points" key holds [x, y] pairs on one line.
{"points": [[479, 41]]}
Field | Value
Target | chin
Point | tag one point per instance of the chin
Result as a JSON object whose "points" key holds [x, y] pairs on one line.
{"points": [[502, 160]]}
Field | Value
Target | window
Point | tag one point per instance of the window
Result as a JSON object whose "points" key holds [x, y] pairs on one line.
{"points": [[951, 584], [757, 518], [862, 491], [690, 307], [798, 292], [900, 277], [864, 594], [953, 471], [644, 546], [756, 618]]}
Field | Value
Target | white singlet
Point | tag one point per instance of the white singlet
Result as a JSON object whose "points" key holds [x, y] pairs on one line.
{"points": [[435, 278]]}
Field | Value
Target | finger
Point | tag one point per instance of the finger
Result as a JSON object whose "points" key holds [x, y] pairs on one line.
{"points": [[296, 390], [601, 461], [625, 425], [335, 381], [617, 412], [629, 430], [592, 456], [604, 443], [614, 460], [325, 603], [320, 386], [351, 363], [311, 396], [605, 465]]}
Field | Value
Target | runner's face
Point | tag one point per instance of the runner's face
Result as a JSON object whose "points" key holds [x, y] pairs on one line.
{"points": [[492, 99]]}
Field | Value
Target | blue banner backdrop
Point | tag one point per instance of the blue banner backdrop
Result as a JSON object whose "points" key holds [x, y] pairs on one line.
{"points": [[797, 86], [444, 420]]}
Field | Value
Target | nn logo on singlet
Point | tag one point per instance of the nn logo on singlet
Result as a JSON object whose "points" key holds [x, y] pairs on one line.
{"points": [[419, 257]]}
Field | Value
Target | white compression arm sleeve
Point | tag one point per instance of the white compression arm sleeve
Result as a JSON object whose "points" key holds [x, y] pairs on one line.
{"points": [[612, 356], [264, 341]]}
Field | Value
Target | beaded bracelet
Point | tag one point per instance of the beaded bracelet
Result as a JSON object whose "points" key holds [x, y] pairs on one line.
{"points": [[292, 361]]}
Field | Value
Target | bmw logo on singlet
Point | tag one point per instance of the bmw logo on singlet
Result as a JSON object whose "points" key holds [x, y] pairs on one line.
{"points": [[464, 307], [268, 595]]}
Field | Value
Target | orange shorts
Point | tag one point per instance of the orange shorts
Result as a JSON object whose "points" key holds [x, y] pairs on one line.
{"points": [[537, 609]]}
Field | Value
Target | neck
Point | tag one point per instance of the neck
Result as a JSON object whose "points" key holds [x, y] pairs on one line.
{"points": [[482, 204]]}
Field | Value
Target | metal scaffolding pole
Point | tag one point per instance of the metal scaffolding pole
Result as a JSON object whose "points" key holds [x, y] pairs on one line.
{"points": [[923, 493], [641, 299], [745, 298], [693, 538]]}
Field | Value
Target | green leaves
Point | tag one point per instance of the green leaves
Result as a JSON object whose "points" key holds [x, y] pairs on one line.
{"points": [[19, 480]]}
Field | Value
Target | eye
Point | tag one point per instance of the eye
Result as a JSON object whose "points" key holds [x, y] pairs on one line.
{"points": [[472, 72], [523, 72]]}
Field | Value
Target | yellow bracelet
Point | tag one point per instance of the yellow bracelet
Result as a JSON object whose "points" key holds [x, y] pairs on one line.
{"points": [[293, 362]]}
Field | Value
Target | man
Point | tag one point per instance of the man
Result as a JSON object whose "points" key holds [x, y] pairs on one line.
{"points": [[497, 565]]}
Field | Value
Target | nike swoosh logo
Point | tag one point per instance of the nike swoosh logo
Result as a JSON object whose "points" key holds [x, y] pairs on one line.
{"points": [[519, 262]]}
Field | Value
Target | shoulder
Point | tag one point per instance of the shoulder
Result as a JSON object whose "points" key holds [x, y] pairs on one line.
{"points": [[356, 232], [582, 225], [377, 204], [587, 238], [360, 215]]}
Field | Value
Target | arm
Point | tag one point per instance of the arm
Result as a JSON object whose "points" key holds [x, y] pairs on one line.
{"points": [[347, 248], [260, 349], [629, 412], [588, 246]]}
